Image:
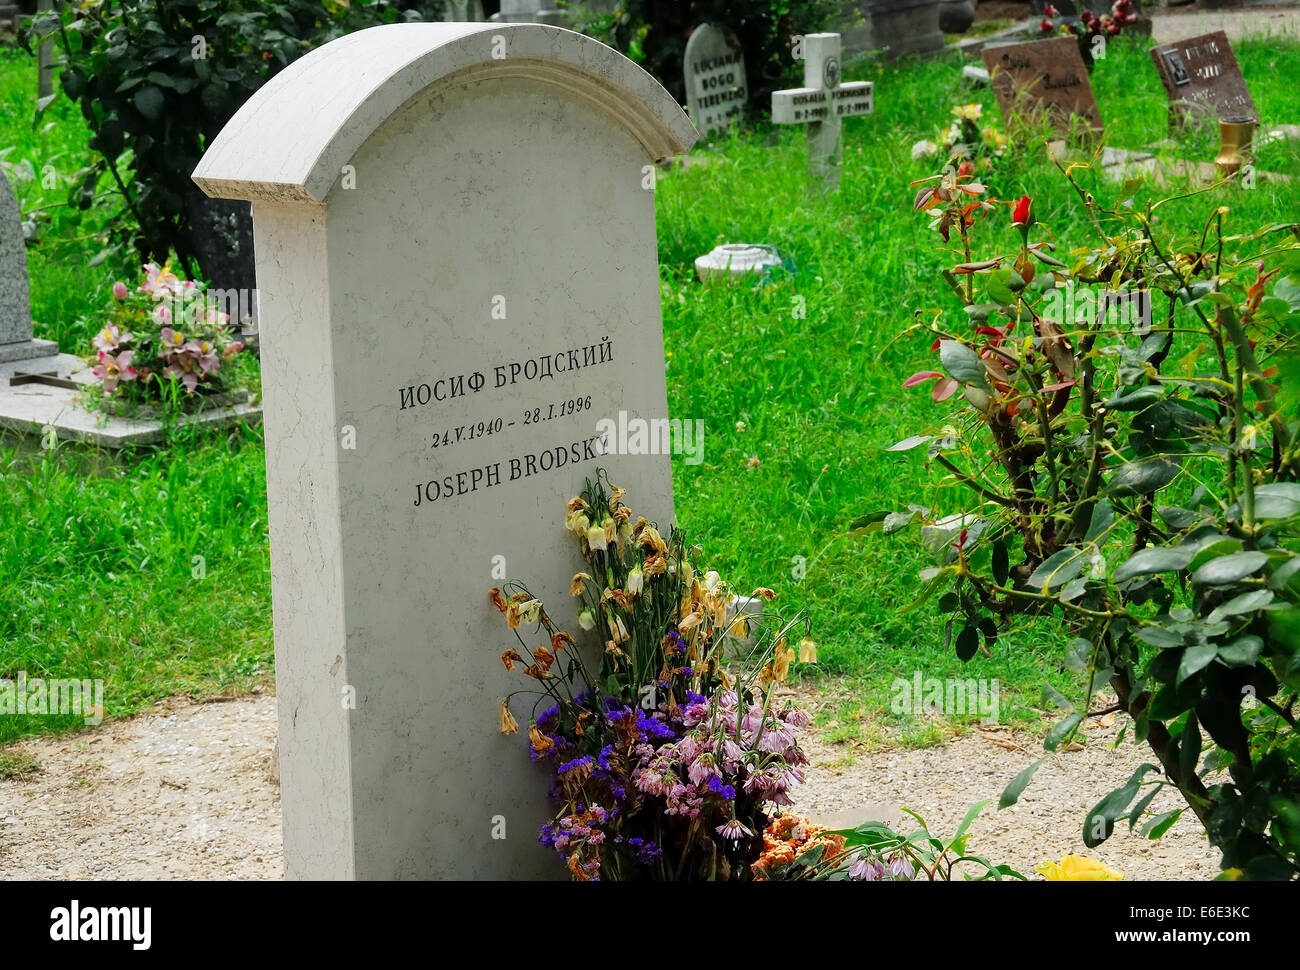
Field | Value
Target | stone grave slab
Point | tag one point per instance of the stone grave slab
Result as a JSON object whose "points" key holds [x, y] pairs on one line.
{"points": [[1049, 74], [714, 69], [16, 341], [1201, 77]]}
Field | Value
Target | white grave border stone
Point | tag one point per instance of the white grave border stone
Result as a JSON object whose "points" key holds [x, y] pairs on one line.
{"points": [[821, 104], [408, 783]]}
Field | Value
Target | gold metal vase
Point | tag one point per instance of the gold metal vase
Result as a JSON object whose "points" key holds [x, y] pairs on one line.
{"points": [[1235, 136]]}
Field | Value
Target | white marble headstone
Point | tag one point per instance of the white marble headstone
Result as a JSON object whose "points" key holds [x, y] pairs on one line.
{"points": [[458, 275], [16, 341], [714, 69]]}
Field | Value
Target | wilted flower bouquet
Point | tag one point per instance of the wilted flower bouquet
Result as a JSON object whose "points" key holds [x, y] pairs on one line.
{"points": [[163, 335], [667, 746], [965, 142]]}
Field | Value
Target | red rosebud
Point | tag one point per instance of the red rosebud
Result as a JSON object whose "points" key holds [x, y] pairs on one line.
{"points": [[1020, 214], [1052, 11], [1045, 26]]}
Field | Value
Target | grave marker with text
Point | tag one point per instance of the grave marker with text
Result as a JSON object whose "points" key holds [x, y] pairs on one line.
{"points": [[714, 68], [458, 278], [1045, 74], [1202, 74]]}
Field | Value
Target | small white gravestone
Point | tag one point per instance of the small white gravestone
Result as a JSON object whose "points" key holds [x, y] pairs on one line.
{"points": [[821, 104], [458, 279], [714, 70], [16, 341]]}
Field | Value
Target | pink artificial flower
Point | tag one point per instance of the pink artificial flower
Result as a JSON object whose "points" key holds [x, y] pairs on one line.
{"points": [[162, 313], [110, 338], [119, 291], [113, 370]]}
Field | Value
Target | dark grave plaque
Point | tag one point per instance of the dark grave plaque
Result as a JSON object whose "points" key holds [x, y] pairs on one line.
{"points": [[1202, 77], [1049, 74]]}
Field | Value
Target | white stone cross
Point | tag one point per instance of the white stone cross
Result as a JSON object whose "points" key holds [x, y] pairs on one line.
{"points": [[821, 103]]}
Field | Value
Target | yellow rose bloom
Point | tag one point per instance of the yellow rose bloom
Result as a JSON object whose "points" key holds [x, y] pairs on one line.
{"points": [[1076, 868]]}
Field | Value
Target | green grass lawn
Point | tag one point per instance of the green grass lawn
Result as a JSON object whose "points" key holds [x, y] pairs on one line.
{"points": [[97, 578]]}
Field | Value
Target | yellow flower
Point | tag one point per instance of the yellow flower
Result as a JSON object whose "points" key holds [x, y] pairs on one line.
{"points": [[807, 651], [575, 587], [968, 112], [508, 723], [1076, 868], [781, 660], [540, 741]]}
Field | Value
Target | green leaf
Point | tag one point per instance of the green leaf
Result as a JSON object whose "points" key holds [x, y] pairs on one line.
{"points": [[1159, 636], [962, 363], [1061, 729], [1103, 517], [1054, 696], [1002, 563], [1011, 794], [971, 814], [1194, 658], [1279, 577], [1059, 568], [1161, 824], [1280, 500], [1158, 559], [1078, 655], [1242, 652], [1143, 803], [869, 522], [150, 102], [1103, 815], [1136, 399], [968, 641], [909, 443], [1245, 603], [1229, 569], [1143, 477], [1189, 746]]}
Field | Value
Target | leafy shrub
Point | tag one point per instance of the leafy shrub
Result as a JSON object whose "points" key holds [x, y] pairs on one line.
{"points": [[1126, 449], [156, 79]]}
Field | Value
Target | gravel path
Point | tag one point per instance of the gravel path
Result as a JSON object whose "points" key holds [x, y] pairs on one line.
{"points": [[942, 783], [182, 794], [185, 794]]}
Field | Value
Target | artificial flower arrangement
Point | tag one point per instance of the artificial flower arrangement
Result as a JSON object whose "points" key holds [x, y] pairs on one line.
{"points": [[965, 142], [667, 751], [1089, 25], [163, 335]]}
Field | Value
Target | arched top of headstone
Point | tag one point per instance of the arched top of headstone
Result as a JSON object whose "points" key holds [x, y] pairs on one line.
{"points": [[290, 140]]}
